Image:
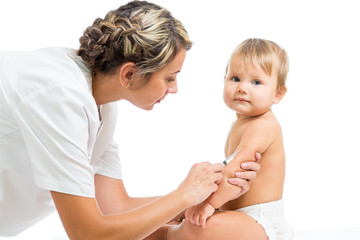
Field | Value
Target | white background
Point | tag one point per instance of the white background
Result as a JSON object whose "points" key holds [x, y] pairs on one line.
{"points": [[319, 115]]}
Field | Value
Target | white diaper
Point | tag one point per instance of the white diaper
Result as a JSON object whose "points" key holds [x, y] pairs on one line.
{"points": [[271, 216]]}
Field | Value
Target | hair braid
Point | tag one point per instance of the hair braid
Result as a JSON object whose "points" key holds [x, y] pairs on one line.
{"points": [[139, 32]]}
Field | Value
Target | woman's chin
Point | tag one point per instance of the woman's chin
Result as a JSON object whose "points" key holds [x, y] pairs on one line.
{"points": [[148, 108]]}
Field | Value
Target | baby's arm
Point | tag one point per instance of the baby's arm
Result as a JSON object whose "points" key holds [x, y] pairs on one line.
{"points": [[256, 138]]}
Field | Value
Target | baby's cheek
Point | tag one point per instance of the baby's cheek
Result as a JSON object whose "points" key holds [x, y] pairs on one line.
{"points": [[227, 93], [227, 98]]}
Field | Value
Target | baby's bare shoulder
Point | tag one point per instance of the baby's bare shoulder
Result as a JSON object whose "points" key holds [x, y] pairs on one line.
{"points": [[265, 121]]}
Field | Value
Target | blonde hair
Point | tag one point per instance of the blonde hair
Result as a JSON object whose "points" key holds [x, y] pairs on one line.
{"points": [[139, 32], [267, 54]]}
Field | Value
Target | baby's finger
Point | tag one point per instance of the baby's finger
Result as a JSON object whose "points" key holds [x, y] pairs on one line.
{"points": [[188, 216], [197, 220], [191, 219], [203, 221]]}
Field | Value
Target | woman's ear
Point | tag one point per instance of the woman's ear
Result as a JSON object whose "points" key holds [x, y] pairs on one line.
{"points": [[126, 73], [280, 93]]}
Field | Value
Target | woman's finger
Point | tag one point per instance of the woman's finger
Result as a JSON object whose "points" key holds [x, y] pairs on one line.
{"points": [[251, 166], [202, 180], [217, 167], [218, 177], [248, 176], [245, 185], [258, 157]]}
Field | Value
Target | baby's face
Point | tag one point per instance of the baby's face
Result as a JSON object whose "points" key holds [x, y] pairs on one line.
{"points": [[249, 90]]}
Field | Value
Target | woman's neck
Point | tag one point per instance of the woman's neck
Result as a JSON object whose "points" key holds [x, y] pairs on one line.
{"points": [[106, 88]]}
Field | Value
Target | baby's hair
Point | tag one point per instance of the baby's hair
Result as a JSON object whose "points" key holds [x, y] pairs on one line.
{"points": [[139, 32], [267, 54]]}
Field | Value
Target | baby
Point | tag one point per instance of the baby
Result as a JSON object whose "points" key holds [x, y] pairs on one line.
{"points": [[255, 80]]}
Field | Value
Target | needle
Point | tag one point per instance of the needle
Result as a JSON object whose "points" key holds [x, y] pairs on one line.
{"points": [[231, 157]]}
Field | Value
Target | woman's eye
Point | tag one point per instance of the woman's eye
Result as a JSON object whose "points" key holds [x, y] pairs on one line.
{"points": [[256, 82], [171, 79], [235, 79]]}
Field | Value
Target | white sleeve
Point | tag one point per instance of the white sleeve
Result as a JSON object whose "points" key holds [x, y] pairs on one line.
{"points": [[58, 128], [105, 158], [109, 164]]}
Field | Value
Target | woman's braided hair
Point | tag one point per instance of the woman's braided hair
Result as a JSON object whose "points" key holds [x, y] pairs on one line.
{"points": [[139, 32]]}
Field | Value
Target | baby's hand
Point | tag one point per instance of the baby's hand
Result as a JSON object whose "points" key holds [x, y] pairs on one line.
{"points": [[199, 213]]}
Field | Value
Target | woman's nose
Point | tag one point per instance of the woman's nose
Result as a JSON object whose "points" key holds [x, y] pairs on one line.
{"points": [[173, 88]]}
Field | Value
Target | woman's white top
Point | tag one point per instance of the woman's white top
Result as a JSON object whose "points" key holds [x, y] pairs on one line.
{"points": [[51, 137]]}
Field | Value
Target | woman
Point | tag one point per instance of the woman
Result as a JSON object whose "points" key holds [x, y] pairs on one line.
{"points": [[57, 120]]}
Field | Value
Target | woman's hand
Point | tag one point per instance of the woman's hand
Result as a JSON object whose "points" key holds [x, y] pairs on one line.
{"points": [[202, 180], [244, 179]]}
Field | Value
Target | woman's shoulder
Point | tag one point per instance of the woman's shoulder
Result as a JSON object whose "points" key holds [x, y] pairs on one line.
{"points": [[50, 78], [45, 61], [58, 59], [35, 72]]}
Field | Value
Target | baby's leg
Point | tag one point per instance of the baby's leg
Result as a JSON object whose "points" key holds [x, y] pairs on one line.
{"points": [[229, 225], [159, 234]]}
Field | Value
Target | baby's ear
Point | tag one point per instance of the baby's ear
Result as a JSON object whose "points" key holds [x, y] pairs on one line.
{"points": [[280, 93]]}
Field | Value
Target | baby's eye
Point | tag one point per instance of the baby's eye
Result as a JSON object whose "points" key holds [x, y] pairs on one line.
{"points": [[235, 79], [256, 82]]}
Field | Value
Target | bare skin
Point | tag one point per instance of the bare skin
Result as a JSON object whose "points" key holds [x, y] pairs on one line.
{"points": [[113, 214], [221, 225], [185, 230], [82, 217], [89, 218], [250, 92]]}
